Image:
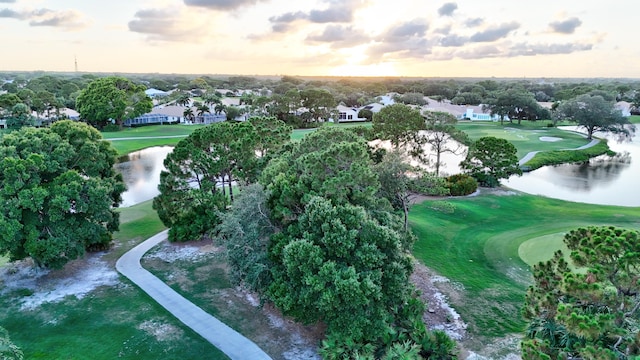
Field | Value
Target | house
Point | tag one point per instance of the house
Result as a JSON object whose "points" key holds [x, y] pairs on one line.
{"points": [[155, 93], [347, 114], [624, 107], [473, 116]]}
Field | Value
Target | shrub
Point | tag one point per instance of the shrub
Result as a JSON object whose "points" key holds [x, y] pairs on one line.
{"points": [[461, 184]]}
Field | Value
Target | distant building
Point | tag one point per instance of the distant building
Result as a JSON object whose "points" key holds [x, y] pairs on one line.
{"points": [[155, 93], [473, 116]]}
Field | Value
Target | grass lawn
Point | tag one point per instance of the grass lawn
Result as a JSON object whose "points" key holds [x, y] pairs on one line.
{"points": [[634, 119], [110, 322], [475, 242], [525, 137]]}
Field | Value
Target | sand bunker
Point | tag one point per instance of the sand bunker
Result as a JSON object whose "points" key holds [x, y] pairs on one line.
{"points": [[550, 138]]}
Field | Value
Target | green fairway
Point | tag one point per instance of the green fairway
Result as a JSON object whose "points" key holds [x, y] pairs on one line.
{"points": [[525, 137], [634, 119], [152, 130], [475, 242]]}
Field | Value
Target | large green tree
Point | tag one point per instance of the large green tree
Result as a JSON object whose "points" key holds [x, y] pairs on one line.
{"points": [[201, 166], [58, 190], [588, 308], [399, 124], [112, 99], [490, 159], [594, 113]]}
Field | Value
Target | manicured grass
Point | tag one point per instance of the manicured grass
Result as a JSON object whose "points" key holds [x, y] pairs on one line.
{"points": [[153, 130], [556, 157], [476, 245], [634, 119], [525, 137], [110, 322], [128, 146]]}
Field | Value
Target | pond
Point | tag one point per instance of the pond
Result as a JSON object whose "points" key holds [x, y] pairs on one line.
{"points": [[141, 173], [603, 180]]}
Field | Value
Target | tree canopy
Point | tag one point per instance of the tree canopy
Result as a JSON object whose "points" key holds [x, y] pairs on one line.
{"points": [[112, 99], [594, 113], [490, 159], [59, 190], [587, 308]]}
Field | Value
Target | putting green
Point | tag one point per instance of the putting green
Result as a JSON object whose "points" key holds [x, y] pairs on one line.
{"points": [[542, 248]]}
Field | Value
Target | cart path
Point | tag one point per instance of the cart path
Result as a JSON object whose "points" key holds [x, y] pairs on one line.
{"points": [[229, 341]]}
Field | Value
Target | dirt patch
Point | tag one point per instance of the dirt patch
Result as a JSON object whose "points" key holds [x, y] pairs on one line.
{"points": [[439, 315], [161, 330], [77, 278], [437, 291], [278, 335]]}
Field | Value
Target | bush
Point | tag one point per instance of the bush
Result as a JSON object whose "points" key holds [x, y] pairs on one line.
{"points": [[111, 128], [461, 184]]}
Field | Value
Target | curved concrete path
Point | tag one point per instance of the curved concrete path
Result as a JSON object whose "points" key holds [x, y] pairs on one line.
{"points": [[230, 342], [530, 155]]}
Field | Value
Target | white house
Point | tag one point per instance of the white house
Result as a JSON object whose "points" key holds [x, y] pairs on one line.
{"points": [[347, 114], [155, 93], [473, 116]]}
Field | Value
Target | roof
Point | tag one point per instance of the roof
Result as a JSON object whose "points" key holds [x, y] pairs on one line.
{"points": [[170, 110]]}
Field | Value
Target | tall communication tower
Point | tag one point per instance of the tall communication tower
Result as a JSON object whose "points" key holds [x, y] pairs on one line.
{"points": [[76, 62]]}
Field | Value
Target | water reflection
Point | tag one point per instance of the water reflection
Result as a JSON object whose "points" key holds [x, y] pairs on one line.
{"points": [[141, 173], [603, 180]]}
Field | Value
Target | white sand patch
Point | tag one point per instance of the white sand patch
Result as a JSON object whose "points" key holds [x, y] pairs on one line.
{"points": [[301, 350], [170, 253], [53, 286], [550, 138]]}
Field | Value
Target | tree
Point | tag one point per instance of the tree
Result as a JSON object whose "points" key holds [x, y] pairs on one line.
{"points": [[401, 125], [517, 104], [594, 113], [184, 99], [112, 99], [271, 134], [19, 117], [192, 189], [202, 109], [490, 159], [320, 104], [59, 191], [591, 313], [245, 231], [343, 267], [188, 114], [443, 136], [400, 183], [232, 112]]}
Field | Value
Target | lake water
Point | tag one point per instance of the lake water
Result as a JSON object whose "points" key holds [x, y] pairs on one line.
{"points": [[141, 173], [603, 180]]}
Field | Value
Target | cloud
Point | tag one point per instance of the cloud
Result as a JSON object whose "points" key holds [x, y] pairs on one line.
{"points": [[453, 40], [336, 12], [65, 19], [494, 33], [473, 22], [11, 14], [404, 40], [413, 28], [7, 1], [567, 26], [223, 5], [524, 49], [340, 36], [447, 9], [167, 24]]}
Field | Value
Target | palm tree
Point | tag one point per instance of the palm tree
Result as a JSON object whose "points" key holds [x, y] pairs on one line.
{"points": [[188, 114], [219, 108], [202, 109], [183, 99]]}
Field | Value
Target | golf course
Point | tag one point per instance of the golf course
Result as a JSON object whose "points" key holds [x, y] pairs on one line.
{"points": [[483, 244]]}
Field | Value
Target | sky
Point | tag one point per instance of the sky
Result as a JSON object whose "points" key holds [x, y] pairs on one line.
{"points": [[410, 38]]}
